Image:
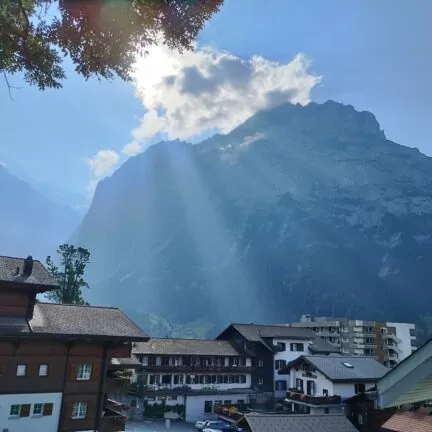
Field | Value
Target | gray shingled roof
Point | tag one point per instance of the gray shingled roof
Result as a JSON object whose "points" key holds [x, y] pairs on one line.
{"points": [[73, 320], [319, 345], [299, 423], [255, 332], [364, 368], [186, 347], [11, 271]]}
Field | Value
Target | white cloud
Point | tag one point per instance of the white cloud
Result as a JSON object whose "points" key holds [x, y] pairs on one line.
{"points": [[103, 162], [190, 93]]}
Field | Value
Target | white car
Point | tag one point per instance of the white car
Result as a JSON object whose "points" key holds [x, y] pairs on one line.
{"points": [[201, 424]]}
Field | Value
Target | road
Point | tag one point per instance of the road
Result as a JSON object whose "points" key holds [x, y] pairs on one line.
{"points": [[157, 426]]}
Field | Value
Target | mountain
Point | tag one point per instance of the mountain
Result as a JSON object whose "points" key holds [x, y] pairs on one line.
{"points": [[30, 224], [52, 192], [298, 210]]}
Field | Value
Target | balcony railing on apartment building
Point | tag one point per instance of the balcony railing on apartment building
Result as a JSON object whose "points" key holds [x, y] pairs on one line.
{"points": [[119, 384], [197, 368], [296, 395]]}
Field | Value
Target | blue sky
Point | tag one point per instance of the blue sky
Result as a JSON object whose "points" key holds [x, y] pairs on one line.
{"points": [[375, 55]]}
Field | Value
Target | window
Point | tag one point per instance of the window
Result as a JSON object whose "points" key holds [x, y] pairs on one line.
{"points": [[326, 411], [145, 360], [208, 407], [37, 409], [43, 370], [260, 381], [281, 346], [280, 385], [279, 364], [360, 419], [48, 409], [15, 410], [325, 392], [21, 370], [348, 365], [297, 347], [84, 372], [79, 410], [260, 363], [359, 388], [299, 384]]}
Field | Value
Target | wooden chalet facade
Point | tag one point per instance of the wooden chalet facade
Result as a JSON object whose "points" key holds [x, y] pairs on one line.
{"points": [[56, 361]]}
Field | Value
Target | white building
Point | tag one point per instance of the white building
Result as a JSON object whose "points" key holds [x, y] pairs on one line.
{"points": [[189, 377], [13, 419], [319, 384], [388, 342]]}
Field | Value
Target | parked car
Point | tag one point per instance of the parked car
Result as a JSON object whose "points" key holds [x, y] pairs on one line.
{"points": [[201, 424], [218, 426]]}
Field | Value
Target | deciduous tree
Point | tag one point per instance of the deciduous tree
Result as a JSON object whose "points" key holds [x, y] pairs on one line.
{"points": [[101, 37], [69, 274]]}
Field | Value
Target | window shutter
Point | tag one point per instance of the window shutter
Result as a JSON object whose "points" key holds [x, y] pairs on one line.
{"points": [[48, 409], [73, 372], [25, 410], [95, 372]]}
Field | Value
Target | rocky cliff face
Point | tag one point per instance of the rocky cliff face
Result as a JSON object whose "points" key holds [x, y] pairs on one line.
{"points": [[300, 209], [30, 224]]}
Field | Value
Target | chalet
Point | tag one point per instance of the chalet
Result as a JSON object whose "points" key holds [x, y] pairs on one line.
{"points": [[194, 374], [271, 348], [319, 384], [57, 361]]}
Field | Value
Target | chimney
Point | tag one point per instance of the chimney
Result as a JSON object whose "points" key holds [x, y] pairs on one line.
{"points": [[28, 266]]}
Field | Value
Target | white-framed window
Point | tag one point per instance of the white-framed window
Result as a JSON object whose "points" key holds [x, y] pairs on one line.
{"points": [[21, 370], [84, 372], [79, 410], [260, 381], [37, 409], [145, 360], [43, 370], [15, 410], [260, 363]]}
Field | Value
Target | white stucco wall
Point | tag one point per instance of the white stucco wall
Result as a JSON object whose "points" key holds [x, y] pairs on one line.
{"points": [[195, 404], [288, 356], [31, 423], [403, 333]]}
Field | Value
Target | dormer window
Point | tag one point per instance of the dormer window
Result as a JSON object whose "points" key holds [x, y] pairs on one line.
{"points": [[348, 365]]}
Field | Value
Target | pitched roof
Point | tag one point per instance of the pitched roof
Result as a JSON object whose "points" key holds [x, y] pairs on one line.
{"points": [[319, 345], [299, 423], [11, 270], [255, 332], [336, 368], [413, 421], [74, 320], [186, 347]]}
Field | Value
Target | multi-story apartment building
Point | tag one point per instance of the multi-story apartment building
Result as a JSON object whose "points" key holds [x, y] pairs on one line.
{"points": [[388, 342], [319, 384], [271, 348], [193, 374], [56, 360]]}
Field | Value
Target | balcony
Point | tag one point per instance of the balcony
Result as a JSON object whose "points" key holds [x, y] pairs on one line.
{"points": [[197, 368], [309, 374], [169, 390], [112, 421], [118, 384], [295, 395]]}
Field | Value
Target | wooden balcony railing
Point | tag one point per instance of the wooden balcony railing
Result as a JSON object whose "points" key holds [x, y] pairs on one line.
{"points": [[112, 421], [198, 368], [117, 385], [299, 396]]}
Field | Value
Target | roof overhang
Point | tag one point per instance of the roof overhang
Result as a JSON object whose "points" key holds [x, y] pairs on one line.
{"points": [[28, 287], [409, 382]]}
